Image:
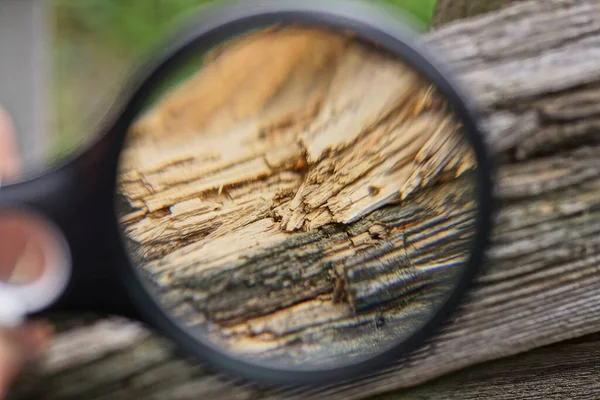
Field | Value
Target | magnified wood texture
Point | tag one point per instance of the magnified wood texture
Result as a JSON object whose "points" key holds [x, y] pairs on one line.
{"points": [[534, 72], [305, 210]]}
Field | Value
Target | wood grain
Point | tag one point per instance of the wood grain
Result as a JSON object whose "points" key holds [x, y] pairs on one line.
{"points": [[451, 10], [534, 71], [565, 371], [326, 217]]}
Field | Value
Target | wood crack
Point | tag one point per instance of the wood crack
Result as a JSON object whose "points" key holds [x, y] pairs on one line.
{"points": [[541, 282]]}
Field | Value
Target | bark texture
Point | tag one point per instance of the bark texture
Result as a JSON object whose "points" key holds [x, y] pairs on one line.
{"points": [[534, 71]]}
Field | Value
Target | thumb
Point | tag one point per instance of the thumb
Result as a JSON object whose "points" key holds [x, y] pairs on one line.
{"points": [[22, 256]]}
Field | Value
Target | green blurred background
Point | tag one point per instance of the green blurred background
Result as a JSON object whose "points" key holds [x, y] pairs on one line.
{"points": [[97, 43]]}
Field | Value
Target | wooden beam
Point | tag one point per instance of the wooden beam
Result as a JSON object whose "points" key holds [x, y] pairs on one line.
{"points": [[562, 371], [537, 90]]}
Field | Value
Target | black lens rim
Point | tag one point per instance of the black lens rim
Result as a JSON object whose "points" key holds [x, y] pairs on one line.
{"points": [[366, 22]]}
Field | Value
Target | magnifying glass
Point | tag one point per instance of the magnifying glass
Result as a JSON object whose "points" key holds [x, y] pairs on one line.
{"points": [[294, 192]]}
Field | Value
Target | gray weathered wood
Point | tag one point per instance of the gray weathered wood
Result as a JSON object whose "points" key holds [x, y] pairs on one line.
{"points": [[534, 70], [565, 371], [451, 10]]}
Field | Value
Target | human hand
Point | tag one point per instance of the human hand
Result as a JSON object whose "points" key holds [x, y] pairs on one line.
{"points": [[19, 262]]}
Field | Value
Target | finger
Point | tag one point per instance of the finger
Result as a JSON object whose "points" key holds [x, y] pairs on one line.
{"points": [[15, 245], [10, 164], [19, 347], [22, 249]]}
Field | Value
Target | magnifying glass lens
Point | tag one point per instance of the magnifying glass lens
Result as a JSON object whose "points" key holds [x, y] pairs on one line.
{"points": [[298, 198]]}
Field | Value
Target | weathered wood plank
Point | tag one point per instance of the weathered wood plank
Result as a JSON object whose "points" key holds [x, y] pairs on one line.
{"points": [[534, 70], [565, 370], [451, 10], [568, 370]]}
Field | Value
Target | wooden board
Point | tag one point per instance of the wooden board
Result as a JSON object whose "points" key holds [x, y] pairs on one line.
{"points": [[534, 71], [565, 371]]}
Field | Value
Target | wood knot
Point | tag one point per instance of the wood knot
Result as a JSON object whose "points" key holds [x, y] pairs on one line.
{"points": [[374, 190]]}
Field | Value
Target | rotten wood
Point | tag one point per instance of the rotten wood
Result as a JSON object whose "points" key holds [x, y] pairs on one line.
{"points": [[305, 211], [534, 71]]}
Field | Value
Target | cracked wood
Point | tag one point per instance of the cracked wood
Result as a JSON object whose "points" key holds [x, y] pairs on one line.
{"points": [[533, 71], [326, 205]]}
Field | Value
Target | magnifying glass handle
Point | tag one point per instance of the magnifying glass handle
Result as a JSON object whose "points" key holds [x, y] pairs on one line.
{"points": [[72, 206]]}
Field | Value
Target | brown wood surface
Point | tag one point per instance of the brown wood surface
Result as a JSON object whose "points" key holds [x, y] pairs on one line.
{"points": [[534, 71], [306, 211]]}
